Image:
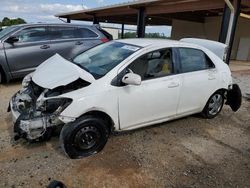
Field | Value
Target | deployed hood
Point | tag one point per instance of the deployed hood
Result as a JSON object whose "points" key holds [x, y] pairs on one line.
{"points": [[57, 71]]}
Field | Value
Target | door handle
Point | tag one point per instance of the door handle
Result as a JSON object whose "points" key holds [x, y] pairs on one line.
{"points": [[79, 43], [44, 46], [173, 85]]}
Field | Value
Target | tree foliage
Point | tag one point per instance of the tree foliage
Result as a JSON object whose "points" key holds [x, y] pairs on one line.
{"points": [[147, 35], [8, 22]]}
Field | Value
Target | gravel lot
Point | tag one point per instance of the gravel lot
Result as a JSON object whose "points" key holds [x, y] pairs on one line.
{"points": [[190, 152]]}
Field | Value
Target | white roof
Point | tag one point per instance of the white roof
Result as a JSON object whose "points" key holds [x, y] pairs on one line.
{"points": [[142, 42], [217, 48]]}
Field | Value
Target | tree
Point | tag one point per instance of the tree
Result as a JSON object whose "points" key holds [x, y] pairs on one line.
{"points": [[8, 22], [147, 35]]}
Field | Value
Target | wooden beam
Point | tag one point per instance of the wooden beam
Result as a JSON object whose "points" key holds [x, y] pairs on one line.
{"points": [[119, 11], [141, 22], [166, 9], [185, 7]]}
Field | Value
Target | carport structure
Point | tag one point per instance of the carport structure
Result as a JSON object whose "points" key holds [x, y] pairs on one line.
{"points": [[162, 12]]}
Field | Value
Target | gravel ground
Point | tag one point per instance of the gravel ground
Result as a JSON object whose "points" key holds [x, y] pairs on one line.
{"points": [[243, 79], [190, 152]]}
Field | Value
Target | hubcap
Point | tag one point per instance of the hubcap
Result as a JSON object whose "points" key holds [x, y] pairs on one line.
{"points": [[215, 104], [87, 137]]}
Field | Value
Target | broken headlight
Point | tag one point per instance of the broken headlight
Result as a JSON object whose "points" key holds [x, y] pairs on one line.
{"points": [[55, 105], [27, 79]]}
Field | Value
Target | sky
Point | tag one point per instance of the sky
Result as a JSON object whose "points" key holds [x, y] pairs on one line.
{"points": [[34, 11]]}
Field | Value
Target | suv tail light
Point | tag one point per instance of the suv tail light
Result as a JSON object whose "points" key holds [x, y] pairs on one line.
{"points": [[105, 40]]}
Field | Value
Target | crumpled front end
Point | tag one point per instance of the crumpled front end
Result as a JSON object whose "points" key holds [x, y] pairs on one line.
{"points": [[36, 108], [36, 112]]}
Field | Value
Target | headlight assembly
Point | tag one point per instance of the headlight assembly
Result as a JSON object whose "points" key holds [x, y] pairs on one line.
{"points": [[55, 105], [27, 80]]}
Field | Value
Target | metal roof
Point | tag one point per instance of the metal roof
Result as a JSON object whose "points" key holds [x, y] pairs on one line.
{"points": [[159, 12]]}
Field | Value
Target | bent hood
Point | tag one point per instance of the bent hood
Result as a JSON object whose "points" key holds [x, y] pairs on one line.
{"points": [[57, 71]]}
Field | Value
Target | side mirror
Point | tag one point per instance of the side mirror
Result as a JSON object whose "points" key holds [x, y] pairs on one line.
{"points": [[12, 40], [131, 79]]}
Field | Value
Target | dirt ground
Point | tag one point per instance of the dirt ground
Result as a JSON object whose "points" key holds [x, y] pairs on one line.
{"points": [[190, 152]]}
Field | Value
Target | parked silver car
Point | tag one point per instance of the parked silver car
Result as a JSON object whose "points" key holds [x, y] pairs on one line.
{"points": [[24, 47]]}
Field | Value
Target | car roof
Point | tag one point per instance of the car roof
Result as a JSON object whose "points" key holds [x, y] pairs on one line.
{"points": [[150, 42], [55, 24]]}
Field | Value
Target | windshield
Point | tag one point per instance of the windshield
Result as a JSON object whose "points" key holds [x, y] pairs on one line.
{"points": [[7, 30], [101, 59]]}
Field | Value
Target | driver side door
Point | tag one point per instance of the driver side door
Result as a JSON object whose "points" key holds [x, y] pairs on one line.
{"points": [[156, 99], [32, 48]]}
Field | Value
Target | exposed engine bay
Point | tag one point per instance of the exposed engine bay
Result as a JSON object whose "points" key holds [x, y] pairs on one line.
{"points": [[37, 110]]}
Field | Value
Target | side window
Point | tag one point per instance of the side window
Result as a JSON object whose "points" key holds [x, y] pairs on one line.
{"points": [[194, 60], [86, 33], [63, 33], [34, 34], [153, 65]]}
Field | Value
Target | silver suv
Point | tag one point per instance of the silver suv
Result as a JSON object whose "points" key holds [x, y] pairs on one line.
{"points": [[24, 47]]}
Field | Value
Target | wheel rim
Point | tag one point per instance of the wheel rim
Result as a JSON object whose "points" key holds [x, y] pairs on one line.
{"points": [[215, 104], [87, 138]]}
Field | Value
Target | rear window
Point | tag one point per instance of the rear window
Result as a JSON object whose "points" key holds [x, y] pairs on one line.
{"points": [[194, 60], [71, 33], [86, 33], [63, 33], [106, 34]]}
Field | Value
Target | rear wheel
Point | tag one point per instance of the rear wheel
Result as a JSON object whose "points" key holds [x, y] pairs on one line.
{"points": [[84, 137], [1, 77], [213, 106]]}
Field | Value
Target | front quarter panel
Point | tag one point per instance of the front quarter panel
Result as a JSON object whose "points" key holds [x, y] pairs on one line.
{"points": [[86, 101]]}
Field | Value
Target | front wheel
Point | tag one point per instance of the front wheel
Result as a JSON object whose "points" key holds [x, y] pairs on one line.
{"points": [[213, 106], [84, 137]]}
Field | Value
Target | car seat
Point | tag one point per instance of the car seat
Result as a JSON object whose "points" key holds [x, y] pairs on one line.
{"points": [[140, 66]]}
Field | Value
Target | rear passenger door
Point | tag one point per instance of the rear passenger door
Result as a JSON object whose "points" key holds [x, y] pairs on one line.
{"points": [[198, 80], [69, 41]]}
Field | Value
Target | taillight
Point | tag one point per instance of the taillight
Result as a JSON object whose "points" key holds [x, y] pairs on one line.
{"points": [[104, 40]]}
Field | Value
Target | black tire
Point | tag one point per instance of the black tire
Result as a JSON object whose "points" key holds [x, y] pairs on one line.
{"points": [[214, 105], [84, 137], [1, 77]]}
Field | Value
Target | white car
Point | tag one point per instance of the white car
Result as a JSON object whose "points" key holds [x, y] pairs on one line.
{"points": [[122, 85]]}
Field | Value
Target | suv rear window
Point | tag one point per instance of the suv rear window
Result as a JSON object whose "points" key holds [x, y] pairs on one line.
{"points": [[86, 33], [63, 33], [71, 33], [106, 34]]}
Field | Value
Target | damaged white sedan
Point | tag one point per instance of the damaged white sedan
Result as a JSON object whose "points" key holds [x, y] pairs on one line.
{"points": [[122, 85]]}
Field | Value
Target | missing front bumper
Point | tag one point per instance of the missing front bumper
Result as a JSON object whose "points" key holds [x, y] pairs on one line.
{"points": [[30, 124]]}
